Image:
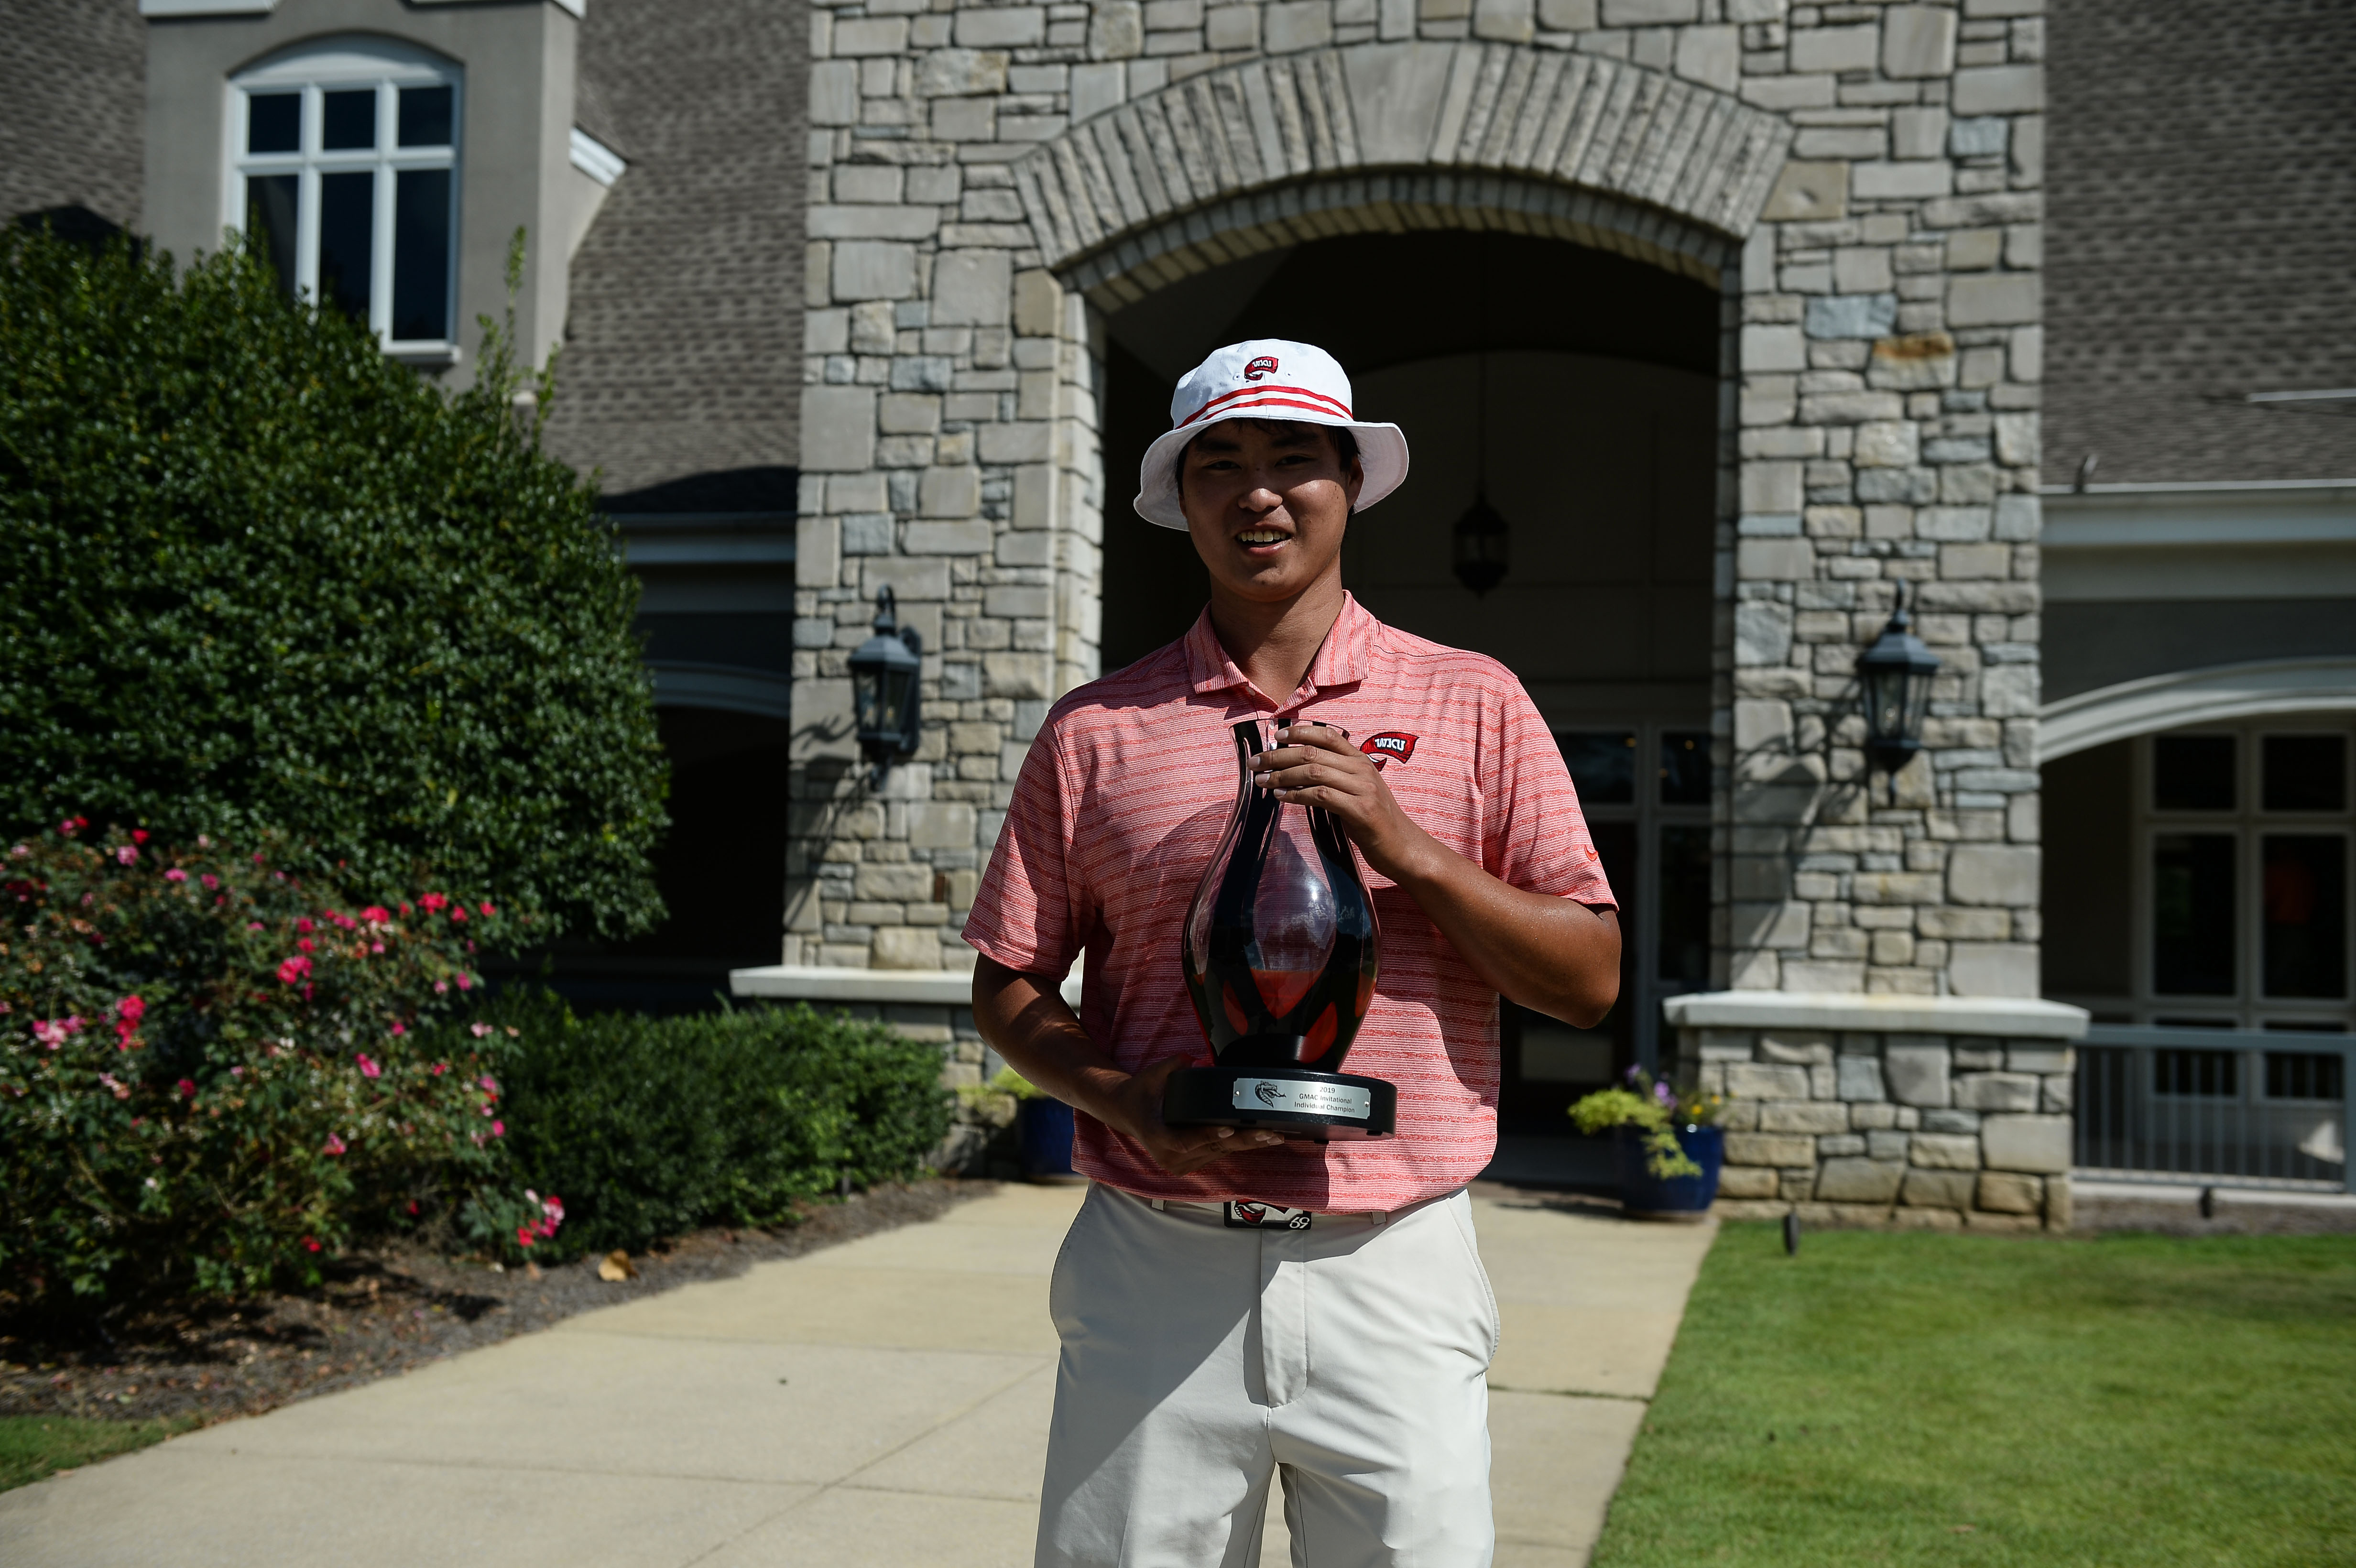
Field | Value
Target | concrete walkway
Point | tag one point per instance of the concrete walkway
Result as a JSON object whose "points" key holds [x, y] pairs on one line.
{"points": [[882, 1403]]}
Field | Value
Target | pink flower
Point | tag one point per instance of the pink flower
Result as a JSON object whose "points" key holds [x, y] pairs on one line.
{"points": [[480, 1030], [210, 881], [305, 944], [433, 902], [440, 1068], [131, 1009], [487, 909], [121, 1093], [399, 1028], [369, 1068], [377, 915], [50, 1033], [441, 987], [376, 947], [333, 1145], [312, 1243], [303, 922], [459, 914], [498, 1129], [204, 841], [253, 925], [127, 855], [175, 875], [139, 836], [237, 1073], [257, 857], [293, 969], [187, 1088], [465, 981], [489, 1085], [523, 1236]]}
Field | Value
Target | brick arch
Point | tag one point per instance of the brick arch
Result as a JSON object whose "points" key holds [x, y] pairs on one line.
{"points": [[1672, 171]]}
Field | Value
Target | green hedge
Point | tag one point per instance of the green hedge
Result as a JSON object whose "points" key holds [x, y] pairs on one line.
{"points": [[649, 1127], [254, 575]]}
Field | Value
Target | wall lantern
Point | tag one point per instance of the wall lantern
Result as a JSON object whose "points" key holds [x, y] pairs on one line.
{"points": [[1896, 674], [1484, 546], [884, 689]]}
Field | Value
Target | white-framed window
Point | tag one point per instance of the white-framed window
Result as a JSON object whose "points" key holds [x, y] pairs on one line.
{"points": [[2244, 901], [344, 167]]}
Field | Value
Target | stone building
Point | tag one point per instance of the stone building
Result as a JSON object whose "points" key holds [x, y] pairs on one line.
{"points": [[1736, 311]]}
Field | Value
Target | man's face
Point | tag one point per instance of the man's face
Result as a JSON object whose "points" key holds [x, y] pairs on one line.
{"points": [[1268, 503]]}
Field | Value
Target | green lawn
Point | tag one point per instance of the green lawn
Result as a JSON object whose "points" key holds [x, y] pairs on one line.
{"points": [[1951, 1399], [32, 1446]]}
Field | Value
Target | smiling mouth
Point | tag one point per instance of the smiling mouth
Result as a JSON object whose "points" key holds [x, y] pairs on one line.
{"points": [[1260, 537]]}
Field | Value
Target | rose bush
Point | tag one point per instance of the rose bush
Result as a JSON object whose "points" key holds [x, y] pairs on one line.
{"points": [[212, 1070]]}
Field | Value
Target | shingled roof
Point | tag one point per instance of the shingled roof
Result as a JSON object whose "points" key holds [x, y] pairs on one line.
{"points": [[73, 109], [681, 373], [2201, 237]]}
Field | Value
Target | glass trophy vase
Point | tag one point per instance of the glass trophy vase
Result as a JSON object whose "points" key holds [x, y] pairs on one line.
{"points": [[1279, 951]]}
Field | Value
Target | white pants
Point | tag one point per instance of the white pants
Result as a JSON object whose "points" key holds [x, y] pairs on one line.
{"points": [[1197, 1358]]}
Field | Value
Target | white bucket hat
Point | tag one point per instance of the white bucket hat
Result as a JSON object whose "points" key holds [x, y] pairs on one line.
{"points": [[1266, 379]]}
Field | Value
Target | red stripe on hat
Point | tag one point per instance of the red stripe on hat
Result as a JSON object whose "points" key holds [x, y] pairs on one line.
{"points": [[1328, 405]]}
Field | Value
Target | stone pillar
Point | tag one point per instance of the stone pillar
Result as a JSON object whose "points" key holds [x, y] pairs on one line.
{"points": [[1890, 371], [948, 421]]}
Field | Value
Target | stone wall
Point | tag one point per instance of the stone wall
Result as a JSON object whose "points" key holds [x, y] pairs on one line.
{"points": [[1861, 179], [1918, 1131]]}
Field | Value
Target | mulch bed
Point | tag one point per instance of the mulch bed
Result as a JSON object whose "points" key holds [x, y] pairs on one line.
{"points": [[383, 1312]]}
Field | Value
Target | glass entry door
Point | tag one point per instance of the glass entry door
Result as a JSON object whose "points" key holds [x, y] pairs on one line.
{"points": [[1646, 792]]}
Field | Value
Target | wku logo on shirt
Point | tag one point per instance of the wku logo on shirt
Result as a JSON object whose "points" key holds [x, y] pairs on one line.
{"points": [[1390, 743]]}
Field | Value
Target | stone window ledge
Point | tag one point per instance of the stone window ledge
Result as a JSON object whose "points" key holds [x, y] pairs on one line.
{"points": [[2015, 1017]]}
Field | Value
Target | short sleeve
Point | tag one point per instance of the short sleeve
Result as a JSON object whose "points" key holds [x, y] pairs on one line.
{"points": [[1540, 842], [1025, 913]]}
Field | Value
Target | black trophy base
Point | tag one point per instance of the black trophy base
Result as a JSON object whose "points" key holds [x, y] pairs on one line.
{"points": [[1294, 1101]]}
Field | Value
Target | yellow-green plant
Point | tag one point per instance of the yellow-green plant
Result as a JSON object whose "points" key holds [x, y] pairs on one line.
{"points": [[1658, 1109]]}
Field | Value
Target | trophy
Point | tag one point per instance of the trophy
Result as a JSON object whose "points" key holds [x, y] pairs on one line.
{"points": [[1280, 949]]}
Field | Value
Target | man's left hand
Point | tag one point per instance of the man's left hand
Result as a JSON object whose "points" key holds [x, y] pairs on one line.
{"points": [[1316, 765]]}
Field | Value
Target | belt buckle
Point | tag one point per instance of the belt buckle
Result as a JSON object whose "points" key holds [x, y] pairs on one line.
{"points": [[1242, 1215]]}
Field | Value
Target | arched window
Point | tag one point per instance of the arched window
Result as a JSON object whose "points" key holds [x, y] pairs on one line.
{"points": [[344, 167]]}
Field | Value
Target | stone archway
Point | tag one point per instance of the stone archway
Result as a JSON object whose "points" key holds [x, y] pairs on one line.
{"points": [[1667, 169]]}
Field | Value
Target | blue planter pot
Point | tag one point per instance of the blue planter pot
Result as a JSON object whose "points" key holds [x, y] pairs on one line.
{"points": [[1045, 1126], [1644, 1196]]}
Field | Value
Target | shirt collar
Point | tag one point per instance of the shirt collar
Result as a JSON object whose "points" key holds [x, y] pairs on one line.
{"points": [[1341, 660]]}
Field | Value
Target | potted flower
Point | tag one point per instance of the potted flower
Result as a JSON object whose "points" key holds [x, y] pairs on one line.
{"points": [[1670, 1147], [1043, 1126]]}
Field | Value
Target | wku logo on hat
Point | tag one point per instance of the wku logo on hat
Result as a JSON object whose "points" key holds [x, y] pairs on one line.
{"points": [[1263, 366], [1389, 744]]}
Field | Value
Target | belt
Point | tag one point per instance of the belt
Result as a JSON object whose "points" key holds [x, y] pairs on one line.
{"points": [[1225, 1211]]}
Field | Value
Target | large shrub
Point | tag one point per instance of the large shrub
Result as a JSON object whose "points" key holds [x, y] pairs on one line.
{"points": [[211, 1070], [649, 1127], [253, 575]]}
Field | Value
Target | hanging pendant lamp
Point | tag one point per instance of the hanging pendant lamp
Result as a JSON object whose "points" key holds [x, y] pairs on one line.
{"points": [[1482, 546]]}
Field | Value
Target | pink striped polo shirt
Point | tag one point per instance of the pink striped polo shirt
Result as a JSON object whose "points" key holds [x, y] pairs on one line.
{"points": [[1120, 806]]}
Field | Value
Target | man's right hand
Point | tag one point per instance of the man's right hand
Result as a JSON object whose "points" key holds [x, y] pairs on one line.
{"points": [[1026, 1019], [1135, 1111]]}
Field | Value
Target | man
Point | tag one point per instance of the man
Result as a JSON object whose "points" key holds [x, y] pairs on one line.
{"points": [[1231, 1303]]}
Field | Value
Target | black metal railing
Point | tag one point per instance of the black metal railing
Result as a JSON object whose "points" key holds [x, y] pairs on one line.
{"points": [[2233, 1107]]}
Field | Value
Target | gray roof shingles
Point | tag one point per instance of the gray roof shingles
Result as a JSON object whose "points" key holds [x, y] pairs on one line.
{"points": [[2200, 238], [73, 107], [682, 355]]}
